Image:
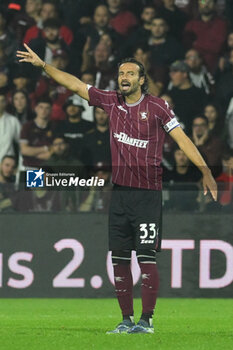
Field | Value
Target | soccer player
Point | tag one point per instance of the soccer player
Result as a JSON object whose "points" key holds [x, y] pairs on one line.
{"points": [[138, 122]]}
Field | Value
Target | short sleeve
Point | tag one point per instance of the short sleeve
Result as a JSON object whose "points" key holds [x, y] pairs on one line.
{"points": [[101, 98], [167, 116]]}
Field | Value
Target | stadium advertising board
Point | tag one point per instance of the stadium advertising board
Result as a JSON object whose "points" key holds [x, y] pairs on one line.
{"points": [[62, 255]]}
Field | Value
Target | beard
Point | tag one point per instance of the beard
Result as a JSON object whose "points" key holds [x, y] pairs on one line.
{"points": [[52, 41]]}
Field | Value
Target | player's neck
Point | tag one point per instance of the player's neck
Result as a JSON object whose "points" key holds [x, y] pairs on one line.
{"points": [[133, 98]]}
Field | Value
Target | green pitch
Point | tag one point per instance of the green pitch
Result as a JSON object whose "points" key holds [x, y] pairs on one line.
{"points": [[80, 324]]}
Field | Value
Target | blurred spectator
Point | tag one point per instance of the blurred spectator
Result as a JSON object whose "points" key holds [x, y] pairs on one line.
{"points": [[225, 181], [210, 146], [20, 106], [224, 61], [198, 73], [7, 179], [4, 65], [9, 131], [97, 199], [7, 38], [36, 136], [142, 32], [229, 11], [47, 86], [182, 183], [164, 48], [156, 75], [122, 20], [87, 77], [188, 99], [190, 7], [215, 122], [51, 41], [21, 80], [38, 200], [175, 18], [100, 64], [96, 143], [74, 127], [61, 161], [224, 85], [93, 31], [4, 84], [229, 124], [77, 12], [206, 34], [26, 19], [48, 10]]}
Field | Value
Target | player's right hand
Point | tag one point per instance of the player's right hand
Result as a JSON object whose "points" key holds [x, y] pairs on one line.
{"points": [[30, 57]]}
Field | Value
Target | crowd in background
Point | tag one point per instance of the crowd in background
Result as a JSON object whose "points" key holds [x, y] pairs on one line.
{"points": [[186, 47]]}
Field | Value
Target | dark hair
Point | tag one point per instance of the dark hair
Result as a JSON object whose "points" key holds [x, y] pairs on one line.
{"points": [[227, 154], [202, 117], [8, 156], [142, 73], [44, 99], [52, 23]]}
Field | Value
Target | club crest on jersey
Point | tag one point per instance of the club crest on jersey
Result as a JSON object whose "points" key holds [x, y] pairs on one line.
{"points": [[144, 115]]}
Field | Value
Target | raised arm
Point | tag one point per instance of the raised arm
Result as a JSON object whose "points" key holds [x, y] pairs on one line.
{"points": [[194, 155], [69, 81]]}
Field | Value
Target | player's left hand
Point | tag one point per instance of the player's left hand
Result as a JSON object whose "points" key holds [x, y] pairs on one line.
{"points": [[210, 184]]}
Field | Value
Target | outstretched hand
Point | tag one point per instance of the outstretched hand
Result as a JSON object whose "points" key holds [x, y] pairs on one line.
{"points": [[210, 184], [30, 56]]}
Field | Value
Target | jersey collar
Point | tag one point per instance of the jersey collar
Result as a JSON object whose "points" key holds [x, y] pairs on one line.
{"points": [[136, 103]]}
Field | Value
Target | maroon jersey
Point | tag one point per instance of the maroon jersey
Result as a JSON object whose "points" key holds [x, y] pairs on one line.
{"points": [[34, 136], [137, 133]]}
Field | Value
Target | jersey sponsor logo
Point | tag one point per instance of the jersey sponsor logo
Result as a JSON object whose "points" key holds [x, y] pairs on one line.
{"points": [[124, 138], [171, 124], [144, 115], [122, 109]]}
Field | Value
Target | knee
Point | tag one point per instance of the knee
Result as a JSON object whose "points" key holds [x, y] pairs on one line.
{"points": [[121, 257], [146, 256]]}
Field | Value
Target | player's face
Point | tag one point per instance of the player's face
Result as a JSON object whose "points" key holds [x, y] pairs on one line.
{"points": [[101, 117], [128, 79], [7, 167]]}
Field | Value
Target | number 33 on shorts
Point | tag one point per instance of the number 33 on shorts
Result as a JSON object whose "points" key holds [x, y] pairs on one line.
{"points": [[149, 233]]}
